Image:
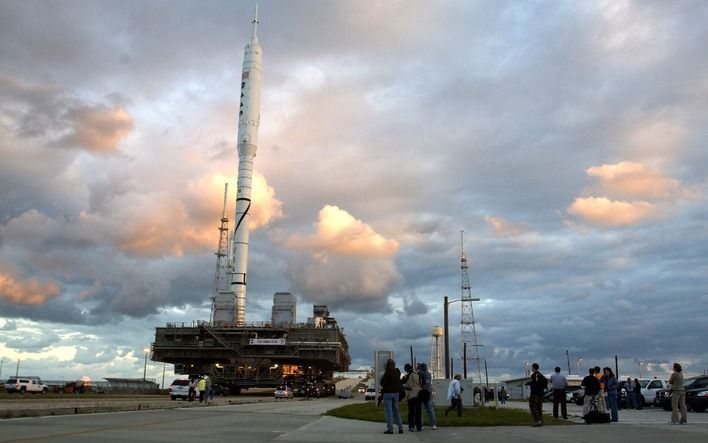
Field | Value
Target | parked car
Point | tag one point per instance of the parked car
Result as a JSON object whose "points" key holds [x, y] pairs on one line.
{"points": [[179, 389], [313, 390], [283, 391], [569, 391], [696, 394], [26, 384], [650, 388], [370, 394]]}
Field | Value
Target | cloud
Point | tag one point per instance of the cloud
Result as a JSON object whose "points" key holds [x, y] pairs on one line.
{"points": [[634, 180], [601, 211], [412, 305], [99, 128], [266, 207], [631, 193], [153, 224], [27, 292], [503, 228], [345, 263], [46, 110], [339, 233]]}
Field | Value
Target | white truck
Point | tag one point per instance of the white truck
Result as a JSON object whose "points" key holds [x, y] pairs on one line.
{"points": [[650, 388], [26, 384]]}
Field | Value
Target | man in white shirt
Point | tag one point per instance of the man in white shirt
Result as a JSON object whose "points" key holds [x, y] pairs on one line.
{"points": [[454, 394], [559, 384]]}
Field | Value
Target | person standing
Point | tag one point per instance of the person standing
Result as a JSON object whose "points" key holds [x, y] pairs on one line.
{"points": [[601, 396], [629, 389], [192, 389], [678, 396], [391, 387], [426, 393], [503, 395], [454, 394], [638, 394], [201, 386], [537, 387], [591, 385], [412, 387], [611, 385], [559, 384]]}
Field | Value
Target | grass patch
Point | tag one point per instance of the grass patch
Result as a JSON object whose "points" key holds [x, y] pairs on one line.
{"points": [[487, 416]]}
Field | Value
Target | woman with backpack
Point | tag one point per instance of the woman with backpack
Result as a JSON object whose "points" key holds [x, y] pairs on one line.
{"points": [[412, 385]]}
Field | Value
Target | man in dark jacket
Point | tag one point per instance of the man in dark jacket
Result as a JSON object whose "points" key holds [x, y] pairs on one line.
{"points": [[537, 385], [592, 387]]}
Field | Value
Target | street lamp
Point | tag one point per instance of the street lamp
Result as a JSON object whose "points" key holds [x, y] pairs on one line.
{"points": [[617, 357], [147, 351], [447, 335], [640, 368], [577, 364]]}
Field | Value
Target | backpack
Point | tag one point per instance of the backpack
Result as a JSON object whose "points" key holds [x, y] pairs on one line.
{"points": [[543, 381], [595, 416]]}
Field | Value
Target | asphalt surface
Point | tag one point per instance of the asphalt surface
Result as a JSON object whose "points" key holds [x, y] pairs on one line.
{"points": [[301, 421]]}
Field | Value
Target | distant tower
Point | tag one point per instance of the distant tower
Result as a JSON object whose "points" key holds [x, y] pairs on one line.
{"points": [[221, 280], [232, 307], [467, 325], [435, 360]]}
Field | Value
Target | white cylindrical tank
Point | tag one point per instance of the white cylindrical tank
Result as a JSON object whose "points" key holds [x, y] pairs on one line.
{"points": [[437, 331]]}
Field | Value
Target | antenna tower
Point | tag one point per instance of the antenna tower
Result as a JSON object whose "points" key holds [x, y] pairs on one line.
{"points": [[467, 325], [221, 280]]}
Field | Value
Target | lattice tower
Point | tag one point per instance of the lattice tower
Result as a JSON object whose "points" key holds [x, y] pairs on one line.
{"points": [[468, 332], [221, 274]]}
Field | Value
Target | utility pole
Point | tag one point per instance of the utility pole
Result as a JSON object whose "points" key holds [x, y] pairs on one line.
{"points": [[446, 341], [567, 356]]}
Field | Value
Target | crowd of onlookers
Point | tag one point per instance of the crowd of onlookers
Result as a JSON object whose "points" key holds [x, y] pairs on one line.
{"points": [[601, 395]]}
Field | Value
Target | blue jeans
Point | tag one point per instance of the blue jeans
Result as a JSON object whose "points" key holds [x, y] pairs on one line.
{"points": [[612, 403], [631, 402], [390, 401], [431, 412]]}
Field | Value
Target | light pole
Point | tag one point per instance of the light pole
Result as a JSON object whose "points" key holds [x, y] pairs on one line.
{"points": [[640, 368], [577, 364], [446, 303], [147, 351], [617, 357]]}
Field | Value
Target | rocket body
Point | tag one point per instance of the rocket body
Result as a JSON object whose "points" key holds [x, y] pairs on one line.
{"points": [[230, 306]]}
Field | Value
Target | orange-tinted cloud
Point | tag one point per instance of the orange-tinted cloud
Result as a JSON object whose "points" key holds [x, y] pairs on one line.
{"points": [[627, 193], [266, 207], [602, 211], [27, 292], [158, 225], [503, 228], [99, 128], [339, 233], [635, 180]]}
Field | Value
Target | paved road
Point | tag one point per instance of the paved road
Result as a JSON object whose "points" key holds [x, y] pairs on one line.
{"points": [[301, 421]]}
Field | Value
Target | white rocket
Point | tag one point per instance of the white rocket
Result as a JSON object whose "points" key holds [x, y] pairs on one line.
{"points": [[230, 306]]}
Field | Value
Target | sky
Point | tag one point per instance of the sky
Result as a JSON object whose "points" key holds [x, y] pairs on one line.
{"points": [[567, 139]]}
